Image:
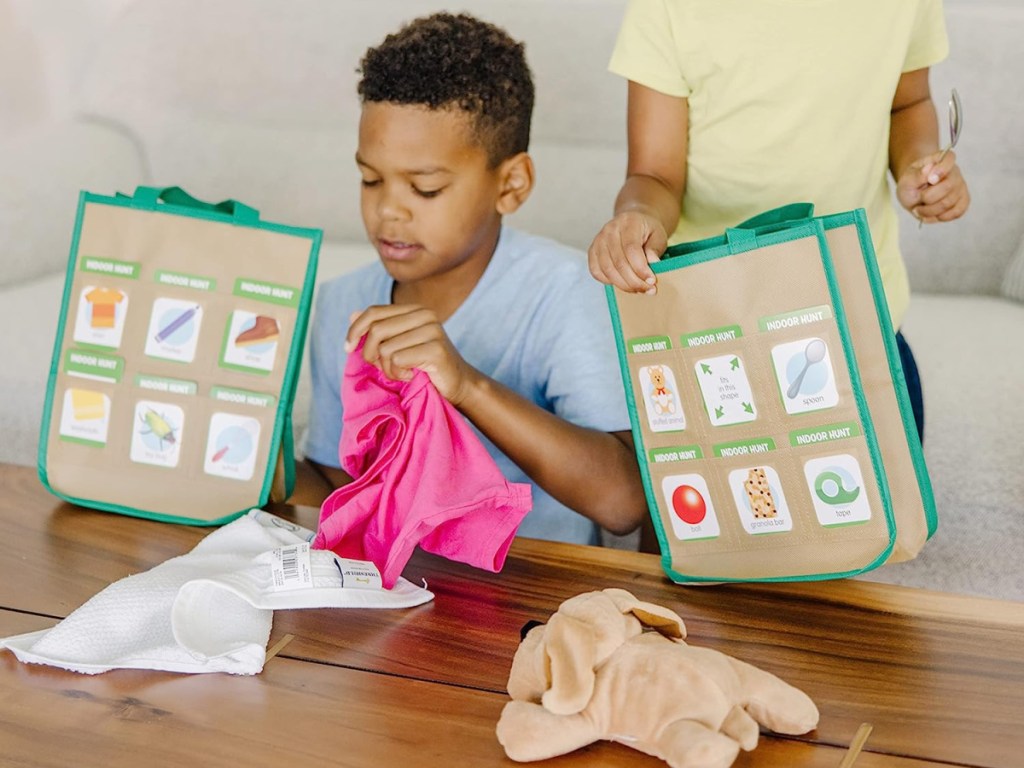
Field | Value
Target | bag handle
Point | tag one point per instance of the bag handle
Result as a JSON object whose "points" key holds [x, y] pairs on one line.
{"points": [[794, 213], [744, 236], [151, 197]]}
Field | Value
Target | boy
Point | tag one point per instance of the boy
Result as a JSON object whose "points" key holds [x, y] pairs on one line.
{"points": [[739, 107], [510, 328]]}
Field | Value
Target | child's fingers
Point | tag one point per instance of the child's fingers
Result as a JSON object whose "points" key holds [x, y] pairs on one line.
{"points": [[425, 348], [956, 211], [360, 322], [377, 324], [936, 193], [632, 267], [384, 337], [925, 171], [958, 202], [916, 175], [610, 265], [356, 328], [622, 251], [598, 261], [946, 209], [938, 167], [944, 201], [417, 347], [625, 278]]}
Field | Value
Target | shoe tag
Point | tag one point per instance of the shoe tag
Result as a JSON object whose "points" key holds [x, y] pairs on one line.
{"points": [[358, 574]]}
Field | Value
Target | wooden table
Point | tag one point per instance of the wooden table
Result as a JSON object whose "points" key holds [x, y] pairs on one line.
{"points": [[940, 677]]}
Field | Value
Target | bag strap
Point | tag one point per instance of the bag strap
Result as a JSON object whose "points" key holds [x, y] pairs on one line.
{"points": [[152, 197], [794, 213], [744, 236]]}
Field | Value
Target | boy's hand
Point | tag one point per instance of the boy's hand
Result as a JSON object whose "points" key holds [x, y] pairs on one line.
{"points": [[401, 337], [623, 249], [934, 190]]}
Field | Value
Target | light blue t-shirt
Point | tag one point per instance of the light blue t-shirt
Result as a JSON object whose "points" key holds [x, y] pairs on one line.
{"points": [[537, 322]]}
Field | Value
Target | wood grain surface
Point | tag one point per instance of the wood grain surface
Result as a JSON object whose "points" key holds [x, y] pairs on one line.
{"points": [[940, 677], [292, 713]]}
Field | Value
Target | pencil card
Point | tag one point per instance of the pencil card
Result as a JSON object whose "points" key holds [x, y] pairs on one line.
{"points": [[174, 329]]}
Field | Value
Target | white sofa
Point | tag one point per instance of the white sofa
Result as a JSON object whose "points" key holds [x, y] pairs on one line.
{"points": [[255, 100]]}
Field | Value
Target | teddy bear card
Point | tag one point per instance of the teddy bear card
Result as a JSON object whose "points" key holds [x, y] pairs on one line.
{"points": [[769, 411], [176, 358]]}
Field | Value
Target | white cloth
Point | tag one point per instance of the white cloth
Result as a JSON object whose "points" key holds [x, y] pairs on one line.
{"points": [[210, 610]]}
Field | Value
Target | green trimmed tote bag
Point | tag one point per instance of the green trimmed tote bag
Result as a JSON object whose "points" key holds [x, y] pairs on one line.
{"points": [[769, 410], [176, 358]]}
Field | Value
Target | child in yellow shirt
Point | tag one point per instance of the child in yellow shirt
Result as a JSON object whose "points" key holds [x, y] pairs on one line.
{"points": [[740, 106]]}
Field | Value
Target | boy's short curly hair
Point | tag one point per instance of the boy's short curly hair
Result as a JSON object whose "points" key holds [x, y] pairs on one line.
{"points": [[447, 61]]}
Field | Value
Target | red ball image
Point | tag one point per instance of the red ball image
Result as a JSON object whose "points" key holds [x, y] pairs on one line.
{"points": [[688, 504]]}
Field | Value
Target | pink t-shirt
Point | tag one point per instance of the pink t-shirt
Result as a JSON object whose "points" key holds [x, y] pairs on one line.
{"points": [[421, 477]]}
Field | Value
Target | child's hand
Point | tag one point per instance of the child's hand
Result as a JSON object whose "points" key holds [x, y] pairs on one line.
{"points": [[623, 249], [401, 337], [934, 190]]}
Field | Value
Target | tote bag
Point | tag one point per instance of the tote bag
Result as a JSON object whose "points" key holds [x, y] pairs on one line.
{"points": [[176, 357], [769, 410]]}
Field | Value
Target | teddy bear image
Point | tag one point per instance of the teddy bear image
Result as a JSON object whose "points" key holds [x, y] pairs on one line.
{"points": [[609, 666], [662, 397]]}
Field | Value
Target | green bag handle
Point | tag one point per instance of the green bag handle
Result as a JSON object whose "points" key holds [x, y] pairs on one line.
{"points": [[794, 213], [744, 236], [151, 197]]}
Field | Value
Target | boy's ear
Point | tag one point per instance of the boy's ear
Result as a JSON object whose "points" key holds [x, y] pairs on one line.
{"points": [[515, 182]]}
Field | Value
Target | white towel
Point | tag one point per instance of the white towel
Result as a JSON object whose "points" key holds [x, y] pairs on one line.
{"points": [[211, 610]]}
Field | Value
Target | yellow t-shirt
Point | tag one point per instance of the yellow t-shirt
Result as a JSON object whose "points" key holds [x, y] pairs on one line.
{"points": [[789, 101]]}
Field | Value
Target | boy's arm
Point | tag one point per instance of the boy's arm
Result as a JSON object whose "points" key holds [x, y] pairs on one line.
{"points": [[648, 204], [314, 482], [592, 472], [931, 189]]}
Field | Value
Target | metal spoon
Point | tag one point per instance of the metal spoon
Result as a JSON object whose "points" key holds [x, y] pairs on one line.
{"points": [[955, 124]]}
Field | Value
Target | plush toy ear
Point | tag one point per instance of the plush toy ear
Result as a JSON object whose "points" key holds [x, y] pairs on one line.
{"points": [[571, 650], [529, 676], [661, 619]]}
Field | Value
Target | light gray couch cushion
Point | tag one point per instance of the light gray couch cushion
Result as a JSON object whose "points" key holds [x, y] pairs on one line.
{"points": [[971, 255], [1013, 281], [260, 90], [23, 96], [967, 348], [43, 171], [28, 313]]}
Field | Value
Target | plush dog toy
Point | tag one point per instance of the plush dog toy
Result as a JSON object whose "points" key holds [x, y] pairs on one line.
{"points": [[610, 666]]}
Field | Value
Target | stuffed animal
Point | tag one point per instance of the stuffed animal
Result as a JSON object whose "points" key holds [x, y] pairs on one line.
{"points": [[610, 666]]}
